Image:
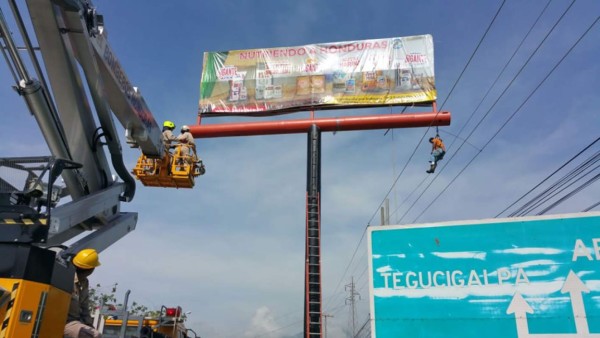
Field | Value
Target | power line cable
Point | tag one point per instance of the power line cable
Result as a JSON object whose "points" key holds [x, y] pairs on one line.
{"points": [[335, 298], [364, 284], [362, 328], [514, 113], [474, 52], [441, 107], [502, 71], [357, 265], [412, 155], [591, 207], [548, 193], [356, 281], [360, 277], [572, 193], [336, 310], [460, 138], [509, 85], [551, 191], [559, 189], [518, 109], [548, 177], [408, 196], [351, 260], [420, 141], [485, 96]]}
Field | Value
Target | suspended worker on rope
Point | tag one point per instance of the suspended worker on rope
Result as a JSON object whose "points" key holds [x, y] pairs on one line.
{"points": [[438, 150]]}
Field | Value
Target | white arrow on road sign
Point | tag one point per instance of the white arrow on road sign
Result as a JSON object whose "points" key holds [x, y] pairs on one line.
{"points": [[518, 305], [575, 287]]}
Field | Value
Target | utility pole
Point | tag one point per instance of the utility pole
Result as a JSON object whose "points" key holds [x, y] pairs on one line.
{"points": [[324, 315], [351, 300], [385, 213]]}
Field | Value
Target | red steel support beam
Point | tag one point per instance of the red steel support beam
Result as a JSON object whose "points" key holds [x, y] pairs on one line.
{"points": [[325, 124]]}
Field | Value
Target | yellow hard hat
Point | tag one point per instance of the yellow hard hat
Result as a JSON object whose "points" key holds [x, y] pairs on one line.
{"points": [[86, 259], [169, 124]]}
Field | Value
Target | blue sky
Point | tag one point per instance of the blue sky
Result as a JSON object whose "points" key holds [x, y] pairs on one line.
{"points": [[231, 251]]}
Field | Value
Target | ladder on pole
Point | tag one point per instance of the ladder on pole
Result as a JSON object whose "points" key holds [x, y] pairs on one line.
{"points": [[312, 285]]}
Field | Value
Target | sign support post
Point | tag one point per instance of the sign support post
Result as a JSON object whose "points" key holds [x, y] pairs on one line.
{"points": [[312, 281]]}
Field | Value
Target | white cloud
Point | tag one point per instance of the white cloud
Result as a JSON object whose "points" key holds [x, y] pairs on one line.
{"points": [[262, 324]]}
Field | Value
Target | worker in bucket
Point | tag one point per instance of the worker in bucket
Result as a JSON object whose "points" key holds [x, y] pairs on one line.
{"points": [[438, 150], [167, 134], [79, 320], [188, 146]]}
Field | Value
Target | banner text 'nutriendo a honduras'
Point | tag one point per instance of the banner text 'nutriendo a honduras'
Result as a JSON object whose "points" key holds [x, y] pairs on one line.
{"points": [[381, 72]]}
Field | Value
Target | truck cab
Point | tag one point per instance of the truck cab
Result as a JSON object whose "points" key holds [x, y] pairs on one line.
{"points": [[168, 323]]}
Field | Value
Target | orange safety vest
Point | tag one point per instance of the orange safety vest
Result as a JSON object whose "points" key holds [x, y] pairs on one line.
{"points": [[437, 143]]}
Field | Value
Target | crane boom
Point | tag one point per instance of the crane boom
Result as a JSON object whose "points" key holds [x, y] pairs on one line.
{"points": [[76, 118], [80, 64]]}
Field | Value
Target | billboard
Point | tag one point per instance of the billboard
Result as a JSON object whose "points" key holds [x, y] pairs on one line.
{"points": [[511, 278], [393, 71]]}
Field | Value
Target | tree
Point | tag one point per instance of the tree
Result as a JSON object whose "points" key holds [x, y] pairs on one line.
{"points": [[99, 298]]}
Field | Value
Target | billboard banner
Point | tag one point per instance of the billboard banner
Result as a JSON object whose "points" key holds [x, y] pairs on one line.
{"points": [[507, 278], [380, 72]]}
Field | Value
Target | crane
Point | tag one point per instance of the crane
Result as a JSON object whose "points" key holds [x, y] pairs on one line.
{"points": [[37, 212], [85, 149]]}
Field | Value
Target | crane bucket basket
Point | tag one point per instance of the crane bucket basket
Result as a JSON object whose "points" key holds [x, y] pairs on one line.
{"points": [[175, 170]]}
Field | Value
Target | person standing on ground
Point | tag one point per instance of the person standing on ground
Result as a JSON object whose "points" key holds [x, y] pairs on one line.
{"points": [[79, 321]]}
